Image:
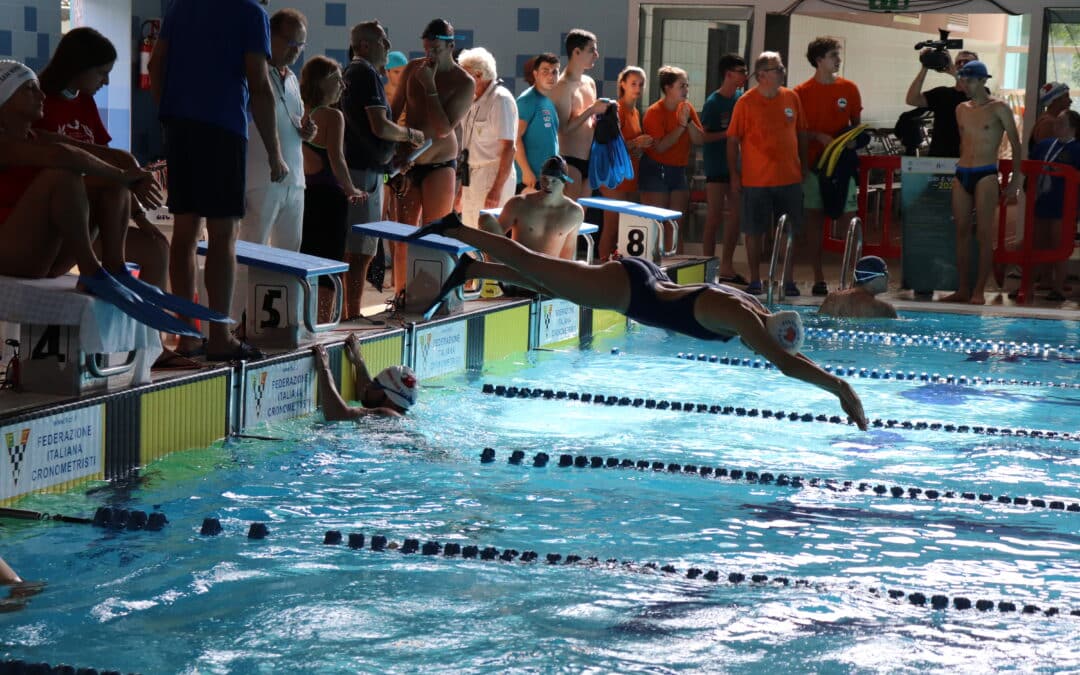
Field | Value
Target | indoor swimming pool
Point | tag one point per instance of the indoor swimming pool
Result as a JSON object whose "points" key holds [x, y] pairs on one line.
{"points": [[678, 564]]}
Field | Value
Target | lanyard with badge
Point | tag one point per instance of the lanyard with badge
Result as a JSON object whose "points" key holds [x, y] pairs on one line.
{"points": [[279, 84]]}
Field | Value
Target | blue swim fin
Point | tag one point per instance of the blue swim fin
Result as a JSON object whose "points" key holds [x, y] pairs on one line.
{"points": [[174, 303], [458, 276], [105, 287]]}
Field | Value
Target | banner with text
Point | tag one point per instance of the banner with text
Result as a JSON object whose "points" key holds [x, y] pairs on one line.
{"points": [[929, 248], [559, 321], [440, 350], [48, 451], [279, 391]]}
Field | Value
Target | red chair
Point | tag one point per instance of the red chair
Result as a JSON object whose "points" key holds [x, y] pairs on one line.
{"points": [[884, 248]]}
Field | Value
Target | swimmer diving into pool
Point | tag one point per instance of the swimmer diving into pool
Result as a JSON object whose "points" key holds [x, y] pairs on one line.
{"points": [[642, 291]]}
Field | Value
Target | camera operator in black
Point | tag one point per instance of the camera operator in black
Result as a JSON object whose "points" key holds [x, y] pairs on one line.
{"points": [[941, 101]]}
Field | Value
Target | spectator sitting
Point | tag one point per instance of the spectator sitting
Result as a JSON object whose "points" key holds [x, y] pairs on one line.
{"points": [[1063, 148], [871, 278], [390, 394], [46, 204], [78, 69]]}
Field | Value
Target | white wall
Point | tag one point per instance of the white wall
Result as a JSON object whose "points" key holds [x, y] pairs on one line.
{"points": [[881, 61]]}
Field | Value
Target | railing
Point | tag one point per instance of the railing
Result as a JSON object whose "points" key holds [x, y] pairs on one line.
{"points": [[779, 239], [853, 248], [889, 164], [1027, 256]]}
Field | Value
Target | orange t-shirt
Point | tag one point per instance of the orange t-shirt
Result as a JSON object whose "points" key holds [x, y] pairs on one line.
{"points": [[767, 129], [829, 109], [630, 125], [659, 122]]}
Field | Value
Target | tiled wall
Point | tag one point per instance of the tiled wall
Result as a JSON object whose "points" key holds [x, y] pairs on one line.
{"points": [[29, 30]]}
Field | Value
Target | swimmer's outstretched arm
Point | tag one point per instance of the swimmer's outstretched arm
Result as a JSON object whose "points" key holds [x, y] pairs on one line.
{"points": [[333, 405], [753, 334]]}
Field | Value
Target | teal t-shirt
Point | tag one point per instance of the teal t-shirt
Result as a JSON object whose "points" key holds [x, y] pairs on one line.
{"points": [[716, 116], [541, 137]]}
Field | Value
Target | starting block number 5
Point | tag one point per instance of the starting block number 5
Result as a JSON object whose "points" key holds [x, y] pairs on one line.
{"points": [[272, 303]]}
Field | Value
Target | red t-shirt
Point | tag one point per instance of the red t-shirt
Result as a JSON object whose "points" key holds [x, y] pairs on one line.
{"points": [[77, 118], [13, 183], [829, 108]]}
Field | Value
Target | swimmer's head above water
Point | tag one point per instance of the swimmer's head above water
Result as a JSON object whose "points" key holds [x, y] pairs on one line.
{"points": [[398, 384], [872, 274]]}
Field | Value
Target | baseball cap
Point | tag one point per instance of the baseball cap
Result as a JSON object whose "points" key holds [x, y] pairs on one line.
{"points": [[870, 267], [396, 59], [1052, 91], [555, 167], [974, 69]]}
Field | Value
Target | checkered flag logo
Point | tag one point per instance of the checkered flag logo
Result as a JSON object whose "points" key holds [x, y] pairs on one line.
{"points": [[16, 451], [258, 383]]}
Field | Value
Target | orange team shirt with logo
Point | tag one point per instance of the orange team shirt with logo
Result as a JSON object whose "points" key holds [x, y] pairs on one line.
{"points": [[829, 109], [767, 129], [659, 122], [630, 125]]}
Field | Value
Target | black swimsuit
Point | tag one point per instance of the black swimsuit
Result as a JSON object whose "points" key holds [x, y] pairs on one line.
{"points": [[676, 315], [419, 172]]}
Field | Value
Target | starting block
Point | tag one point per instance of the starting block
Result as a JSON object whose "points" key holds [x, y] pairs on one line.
{"points": [[71, 343], [431, 259], [585, 231], [641, 228], [281, 299]]}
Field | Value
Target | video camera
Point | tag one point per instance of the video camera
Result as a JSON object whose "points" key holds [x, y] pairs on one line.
{"points": [[938, 58]]}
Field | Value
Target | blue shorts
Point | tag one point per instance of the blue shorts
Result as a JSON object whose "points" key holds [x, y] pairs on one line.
{"points": [[656, 177], [762, 206], [206, 169]]}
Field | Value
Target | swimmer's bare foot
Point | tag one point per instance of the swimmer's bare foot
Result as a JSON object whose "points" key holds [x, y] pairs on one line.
{"points": [[977, 299], [352, 349], [957, 297]]}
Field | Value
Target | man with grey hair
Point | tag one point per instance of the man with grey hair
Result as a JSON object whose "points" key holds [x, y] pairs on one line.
{"points": [[371, 139], [768, 132], [489, 134]]}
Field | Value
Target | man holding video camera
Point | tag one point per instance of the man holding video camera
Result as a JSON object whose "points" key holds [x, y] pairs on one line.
{"points": [[941, 101]]}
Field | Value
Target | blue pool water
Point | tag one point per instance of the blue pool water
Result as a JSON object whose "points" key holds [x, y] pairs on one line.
{"points": [[175, 601]]}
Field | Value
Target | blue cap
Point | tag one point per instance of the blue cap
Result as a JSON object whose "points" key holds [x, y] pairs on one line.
{"points": [[396, 60], [870, 267], [974, 69]]}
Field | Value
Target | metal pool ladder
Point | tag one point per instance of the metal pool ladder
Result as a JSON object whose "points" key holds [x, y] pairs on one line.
{"points": [[853, 246], [783, 233]]}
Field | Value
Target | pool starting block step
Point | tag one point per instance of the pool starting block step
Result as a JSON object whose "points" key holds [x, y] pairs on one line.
{"points": [[586, 231], [641, 227], [431, 258], [280, 298]]}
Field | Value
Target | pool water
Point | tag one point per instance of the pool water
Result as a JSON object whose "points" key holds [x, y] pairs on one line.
{"points": [[175, 601]]}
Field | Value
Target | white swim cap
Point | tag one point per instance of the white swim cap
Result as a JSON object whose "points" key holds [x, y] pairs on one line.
{"points": [[399, 383], [12, 76], [787, 329]]}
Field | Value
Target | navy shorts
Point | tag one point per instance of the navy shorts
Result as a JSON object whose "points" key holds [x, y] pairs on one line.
{"points": [[762, 206], [206, 165], [656, 177]]}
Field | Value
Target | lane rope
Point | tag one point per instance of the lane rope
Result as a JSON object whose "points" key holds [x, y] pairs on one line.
{"points": [[517, 458], [875, 374], [963, 345], [714, 409], [380, 543]]}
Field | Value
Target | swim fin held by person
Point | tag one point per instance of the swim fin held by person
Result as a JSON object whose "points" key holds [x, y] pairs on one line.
{"points": [[642, 291]]}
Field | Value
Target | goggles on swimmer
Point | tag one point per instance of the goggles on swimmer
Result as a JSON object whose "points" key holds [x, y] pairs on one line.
{"points": [[862, 276]]}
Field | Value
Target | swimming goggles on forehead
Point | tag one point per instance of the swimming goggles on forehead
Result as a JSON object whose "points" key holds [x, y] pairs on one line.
{"points": [[444, 38]]}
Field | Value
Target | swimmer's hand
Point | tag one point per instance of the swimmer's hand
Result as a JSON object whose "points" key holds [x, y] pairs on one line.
{"points": [[851, 404]]}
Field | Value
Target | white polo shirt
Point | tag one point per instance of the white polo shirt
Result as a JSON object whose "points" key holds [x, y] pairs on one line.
{"points": [[492, 118], [288, 111]]}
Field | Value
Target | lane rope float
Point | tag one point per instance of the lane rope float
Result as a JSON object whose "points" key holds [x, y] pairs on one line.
{"points": [[883, 374], [963, 345], [714, 409], [434, 549], [517, 457]]}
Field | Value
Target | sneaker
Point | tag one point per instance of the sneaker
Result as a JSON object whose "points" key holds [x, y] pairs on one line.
{"points": [[820, 288], [754, 288], [791, 290]]}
